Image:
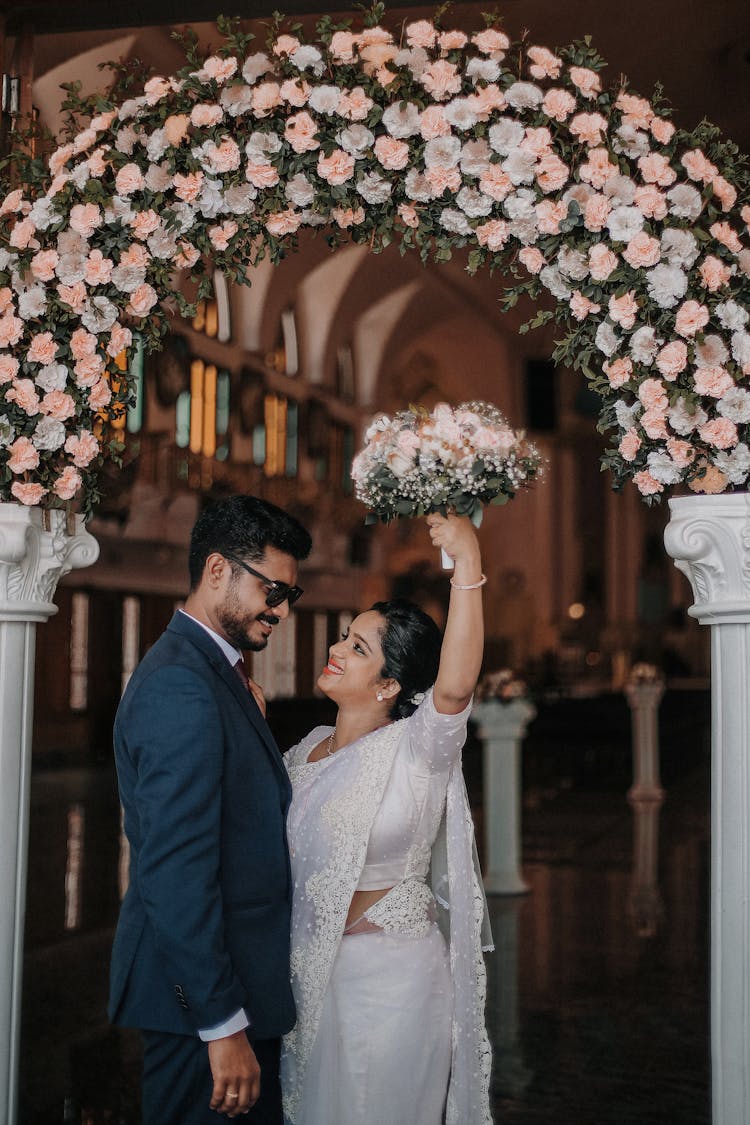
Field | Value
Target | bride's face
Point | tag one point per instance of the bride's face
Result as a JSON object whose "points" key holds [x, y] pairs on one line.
{"points": [[355, 662]]}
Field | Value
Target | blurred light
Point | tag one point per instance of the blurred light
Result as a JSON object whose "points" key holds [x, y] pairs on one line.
{"points": [[576, 611], [593, 658]]}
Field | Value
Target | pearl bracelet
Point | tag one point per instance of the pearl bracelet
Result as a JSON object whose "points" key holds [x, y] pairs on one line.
{"points": [[470, 585]]}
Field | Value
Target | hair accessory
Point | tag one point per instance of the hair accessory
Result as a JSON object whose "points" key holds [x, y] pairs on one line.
{"points": [[469, 585], [379, 697], [416, 698]]}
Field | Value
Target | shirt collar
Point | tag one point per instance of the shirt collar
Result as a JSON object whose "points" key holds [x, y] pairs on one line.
{"points": [[232, 654]]}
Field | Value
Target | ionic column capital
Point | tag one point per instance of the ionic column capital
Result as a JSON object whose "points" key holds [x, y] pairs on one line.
{"points": [[709, 539]]}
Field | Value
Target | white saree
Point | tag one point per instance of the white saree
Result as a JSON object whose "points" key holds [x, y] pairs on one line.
{"points": [[417, 1013]]}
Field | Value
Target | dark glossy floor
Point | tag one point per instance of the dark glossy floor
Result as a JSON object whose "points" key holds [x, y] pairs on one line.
{"points": [[598, 991]]}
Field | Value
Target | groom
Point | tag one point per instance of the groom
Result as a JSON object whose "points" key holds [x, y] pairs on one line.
{"points": [[201, 955]]}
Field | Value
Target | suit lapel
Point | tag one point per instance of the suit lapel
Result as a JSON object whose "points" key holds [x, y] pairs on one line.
{"points": [[183, 624]]}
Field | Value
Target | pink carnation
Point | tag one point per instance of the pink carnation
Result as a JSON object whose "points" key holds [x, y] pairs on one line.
{"points": [[98, 268], [629, 445], [142, 300], [642, 251], [618, 371], [23, 393], [68, 483], [300, 131], [266, 97], [100, 395], [635, 111], [144, 223], [714, 273], [652, 394], [646, 484], [581, 306], [283, 222], [43, 264], [29, 494], [724, 192], [82, 343], [82, 447], [189, 186], [441, 79], [655, 169], [421, 33], [691, 318], [221, 235], [595, 212], [495, 182], [23, 455], [623, 310], [295, 91], [662, 130], [120, 338], [550, 215], [204, 116], [58, 405], [408, 215], [713, 381], [433, 123], [11, 329], [491, 41], [598, 168], [129, 179], [8, 368], [391, 153], [672, 359], [73, 295], [552, 173], [681, 452], [698, 166], [531, 258], [85, 218], [543, 63], [224, 157], [722, 232], [493, 234], [336, 168], [262, 175], [220, 69], [43, 349], [651, 201], [585, 80], [558, 104], [719, 432], [22, 235], [589, 128]]}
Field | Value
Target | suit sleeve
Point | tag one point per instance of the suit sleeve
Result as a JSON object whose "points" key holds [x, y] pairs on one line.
{"points": [[177, 744]]}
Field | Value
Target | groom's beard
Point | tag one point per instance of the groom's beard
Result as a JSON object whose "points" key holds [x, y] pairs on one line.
{"points": [[243, 629]]}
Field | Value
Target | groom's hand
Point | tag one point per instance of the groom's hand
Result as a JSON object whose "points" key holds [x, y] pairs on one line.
{"points": [[236, 1074]]}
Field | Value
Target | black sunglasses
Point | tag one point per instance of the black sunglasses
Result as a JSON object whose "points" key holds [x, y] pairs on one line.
{"points": [[278, 592]]}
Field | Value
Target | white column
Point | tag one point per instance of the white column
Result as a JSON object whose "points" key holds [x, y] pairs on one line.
{"points": [[643, 699], [646, 906], [502, 727], [32, 561], [709, 539]]}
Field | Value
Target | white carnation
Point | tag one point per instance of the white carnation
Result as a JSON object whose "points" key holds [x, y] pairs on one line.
{"points": [[98, 315], [314, 219], [460, 115], [157, 145], [417, 186], [49, 434], [402, 120], [506, 135], [473, 202], [118, 210], [71, 268], [211, 200], [666, 285], [125, 140], [734, 465], [185, 215], [454, 221], [552, 279], [483, 70], [308, 57], [520, 166], [711, 352], [43, 214], [261, 146], [732, 316], [644, 345], [444, 151], [606, 338], [299, 191], [131, 107], [524, 95], [624, 223], [620, 189], [663, 468], [239, 198], [71, 242], [80, 175], [236, 100], [475, 157], [162, 243], [54, 377], [679, 247], [741, 347], [578, 193], [686, 202], [373, 188], [415, 59], [631, 142], [128, 278], [324, 99], [573, 263], [683, 421], [356, 139], [735, 405], [627, 415], [255, 67], [32, 302], [743, 260], [158, 177], [7, 431]]}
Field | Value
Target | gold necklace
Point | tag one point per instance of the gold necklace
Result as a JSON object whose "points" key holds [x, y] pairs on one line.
{"points": [[329, 744]]}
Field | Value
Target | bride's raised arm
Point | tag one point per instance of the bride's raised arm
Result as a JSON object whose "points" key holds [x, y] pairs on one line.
{"points": [[463, 640]]}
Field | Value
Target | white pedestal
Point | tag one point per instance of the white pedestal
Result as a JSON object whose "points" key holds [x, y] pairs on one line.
{"points": [[32, 561], [709, 539], [643, 700], [501, 727]]}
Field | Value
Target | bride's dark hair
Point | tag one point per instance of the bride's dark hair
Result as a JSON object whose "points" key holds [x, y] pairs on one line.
{"points": [[411, 652]]}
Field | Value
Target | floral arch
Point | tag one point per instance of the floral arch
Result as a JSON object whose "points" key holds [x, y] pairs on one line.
{"points": [[438, 141]]}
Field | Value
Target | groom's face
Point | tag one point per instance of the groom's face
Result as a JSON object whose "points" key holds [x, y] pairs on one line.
{"points": [[242, 613]]}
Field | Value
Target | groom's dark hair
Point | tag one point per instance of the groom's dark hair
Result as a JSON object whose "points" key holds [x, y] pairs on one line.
{"points": [[244, 526]]}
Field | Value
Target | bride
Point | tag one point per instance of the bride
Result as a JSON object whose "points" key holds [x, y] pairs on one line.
{"points": [[390, 1012]]}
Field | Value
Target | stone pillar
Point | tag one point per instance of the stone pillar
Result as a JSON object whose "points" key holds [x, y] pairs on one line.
{"points": [[709, 539], [643, 698], [502, 727], [32, 561], [645, 903]]}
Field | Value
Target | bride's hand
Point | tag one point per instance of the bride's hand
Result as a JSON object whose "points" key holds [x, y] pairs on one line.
{"points": [[457, 537]]}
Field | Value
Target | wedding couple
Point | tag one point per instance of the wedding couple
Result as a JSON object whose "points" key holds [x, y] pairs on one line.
{"points": [[342, 970]]}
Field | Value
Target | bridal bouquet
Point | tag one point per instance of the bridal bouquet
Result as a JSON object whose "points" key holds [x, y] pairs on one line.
{"points": [[451, 458]]}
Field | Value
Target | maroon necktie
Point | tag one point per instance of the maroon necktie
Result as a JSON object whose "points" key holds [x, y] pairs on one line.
{"points": [[242, 672]]}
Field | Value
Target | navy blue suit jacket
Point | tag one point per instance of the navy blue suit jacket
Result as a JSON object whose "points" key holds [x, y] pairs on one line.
{"points": [[204, 926]]}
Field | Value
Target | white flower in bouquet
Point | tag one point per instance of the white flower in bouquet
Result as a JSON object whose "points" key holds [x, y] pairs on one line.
{"points": [[450, 459]]}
